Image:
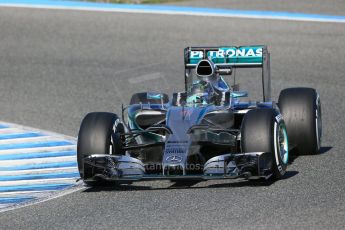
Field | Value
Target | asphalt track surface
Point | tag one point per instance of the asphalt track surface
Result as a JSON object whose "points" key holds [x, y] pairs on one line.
{"points": [[55, 66]]}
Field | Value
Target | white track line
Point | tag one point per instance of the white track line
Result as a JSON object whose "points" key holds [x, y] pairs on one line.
{"points": [[207, 13], [21, 132], [4, 206], [39, 149], [30, 129], [10, 130], [36, 193], [30, 140], [39, 181], [53, 195], [38, 171], [9, 163]]}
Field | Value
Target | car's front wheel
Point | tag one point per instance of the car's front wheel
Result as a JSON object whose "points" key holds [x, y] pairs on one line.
{"points": [[98, 134], [263, 130]]}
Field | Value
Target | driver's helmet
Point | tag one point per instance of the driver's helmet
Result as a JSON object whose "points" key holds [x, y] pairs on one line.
{"points": [[202, 92], [199, 92], [208, 85]]}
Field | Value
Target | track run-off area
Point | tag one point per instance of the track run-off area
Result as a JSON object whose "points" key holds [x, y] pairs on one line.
{"points": [[60, 60]]}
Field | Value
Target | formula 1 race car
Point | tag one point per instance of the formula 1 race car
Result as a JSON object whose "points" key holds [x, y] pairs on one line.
{"points": [[207, 131]]}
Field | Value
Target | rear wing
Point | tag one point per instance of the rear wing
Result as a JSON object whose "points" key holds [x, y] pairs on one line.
{"points": [[225, 57]]}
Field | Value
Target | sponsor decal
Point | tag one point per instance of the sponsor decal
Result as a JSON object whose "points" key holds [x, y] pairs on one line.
{"points": [[229, 52], [175, 150], [174, 159]]}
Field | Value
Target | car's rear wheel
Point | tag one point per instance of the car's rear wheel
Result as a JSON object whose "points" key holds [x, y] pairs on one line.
{"points": [[263, 130], [98, 134], [301, 110]]}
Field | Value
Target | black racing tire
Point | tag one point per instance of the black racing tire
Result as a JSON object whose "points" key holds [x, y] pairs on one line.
{"points": [[95, 135], [301, 110], [138, 98], [261, 131]]}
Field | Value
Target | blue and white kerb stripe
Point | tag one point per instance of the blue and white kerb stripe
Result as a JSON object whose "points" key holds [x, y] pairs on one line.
{"points": [[172, 10], [34, 165]]}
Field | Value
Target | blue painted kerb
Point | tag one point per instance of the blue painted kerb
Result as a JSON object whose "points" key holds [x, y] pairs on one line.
{"points": [[177, 9]]}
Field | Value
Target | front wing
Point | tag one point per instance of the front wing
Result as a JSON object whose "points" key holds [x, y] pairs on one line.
{"points": [[229, 166]]}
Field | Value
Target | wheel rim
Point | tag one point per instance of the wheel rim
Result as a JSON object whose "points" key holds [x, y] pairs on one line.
{"points": [[283, 146]]}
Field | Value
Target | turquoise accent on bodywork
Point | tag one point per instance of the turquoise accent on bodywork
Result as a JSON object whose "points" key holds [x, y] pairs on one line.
{"points": [[152, 95], [132, 112], [286, 147], [236, 94], [202, 113], [237, 104], [192, 100], [230, 55]]}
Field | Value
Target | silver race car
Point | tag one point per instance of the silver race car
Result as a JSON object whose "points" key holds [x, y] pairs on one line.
{"points": [[205, 132]]}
